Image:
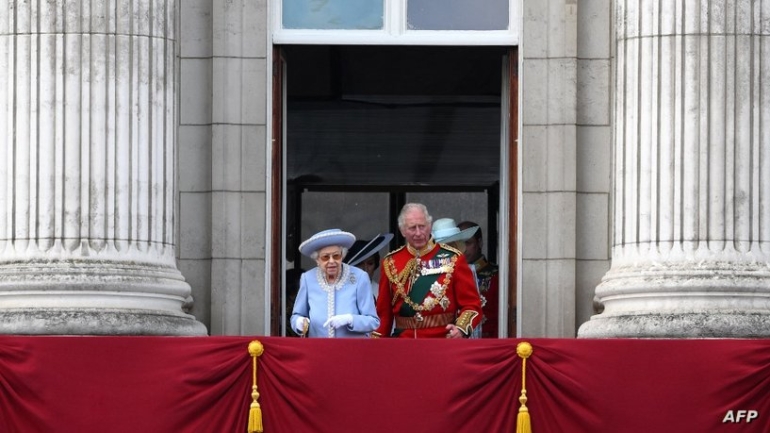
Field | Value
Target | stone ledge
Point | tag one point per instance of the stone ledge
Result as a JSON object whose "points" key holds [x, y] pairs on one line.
{"points": [[97, 322], [684, 325]]}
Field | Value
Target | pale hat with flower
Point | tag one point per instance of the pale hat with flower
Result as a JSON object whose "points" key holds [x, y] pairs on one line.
{"points": [[326, 238], [445, 230]]}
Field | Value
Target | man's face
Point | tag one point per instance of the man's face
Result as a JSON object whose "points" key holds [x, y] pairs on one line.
{"points": [[473, 249], [416, 229], [329, 260]]}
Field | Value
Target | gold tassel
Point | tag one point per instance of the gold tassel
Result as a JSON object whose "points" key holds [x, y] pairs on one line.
{"points": [[255, 418], [255, 412], [523, 425], [522, 420]]}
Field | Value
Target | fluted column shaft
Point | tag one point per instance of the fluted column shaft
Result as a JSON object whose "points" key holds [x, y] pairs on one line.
{"points": [[87, 126], [691, 249]]}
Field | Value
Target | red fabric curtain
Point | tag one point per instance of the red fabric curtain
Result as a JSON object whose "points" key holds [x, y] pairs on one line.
{"points": [[175, 384]]}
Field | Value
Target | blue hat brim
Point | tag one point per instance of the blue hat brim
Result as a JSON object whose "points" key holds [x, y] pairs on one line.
{"points": [[463, 235], [326, 238]]}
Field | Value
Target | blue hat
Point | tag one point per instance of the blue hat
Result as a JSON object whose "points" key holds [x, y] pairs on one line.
{"points": [[445, 231], [325, 239]]}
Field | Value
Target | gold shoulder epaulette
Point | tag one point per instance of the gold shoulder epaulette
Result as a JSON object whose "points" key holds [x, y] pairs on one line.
{"points": [[395, 251], [451, 248]]}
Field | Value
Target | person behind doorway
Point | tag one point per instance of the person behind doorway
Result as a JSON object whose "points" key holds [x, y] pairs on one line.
{"points": [[334, 299], [446, 231], [487, 278], [426, 289], [366, 255]]}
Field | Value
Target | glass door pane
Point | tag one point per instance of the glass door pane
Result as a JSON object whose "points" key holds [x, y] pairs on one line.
{"points": [[333, 14], [457, 15]]}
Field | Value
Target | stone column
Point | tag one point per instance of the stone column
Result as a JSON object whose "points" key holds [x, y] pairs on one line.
{"points": [[691, 253], [87, 152]]}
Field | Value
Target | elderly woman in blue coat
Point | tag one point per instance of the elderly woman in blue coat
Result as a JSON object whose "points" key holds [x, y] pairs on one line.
{"points": [[334, 299]]}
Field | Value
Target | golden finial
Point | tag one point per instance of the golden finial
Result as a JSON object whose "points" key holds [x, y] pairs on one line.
{"points": [[523, 423], [524, 349], [256, 348]]}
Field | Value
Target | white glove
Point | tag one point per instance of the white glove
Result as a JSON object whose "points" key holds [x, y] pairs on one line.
{"points": [[339, 320], [301, 325]]}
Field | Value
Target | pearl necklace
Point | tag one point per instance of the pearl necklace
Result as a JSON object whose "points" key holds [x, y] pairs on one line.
{"points": [[330, 290]]}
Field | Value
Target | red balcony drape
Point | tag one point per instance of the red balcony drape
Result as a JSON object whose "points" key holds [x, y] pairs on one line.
{"points": [[203, 384]]}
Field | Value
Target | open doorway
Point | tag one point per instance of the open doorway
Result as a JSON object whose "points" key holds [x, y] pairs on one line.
{"points": [[369, 128]]}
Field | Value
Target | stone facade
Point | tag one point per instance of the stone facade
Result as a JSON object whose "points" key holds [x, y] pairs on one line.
{"points": [[223, 162]]}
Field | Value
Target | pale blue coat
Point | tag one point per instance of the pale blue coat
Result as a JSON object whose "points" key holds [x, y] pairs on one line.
{"points": [[354, 297]]}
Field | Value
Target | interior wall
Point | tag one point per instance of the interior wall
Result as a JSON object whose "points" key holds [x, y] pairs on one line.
{"points": [[364, 123], [388, 118]]}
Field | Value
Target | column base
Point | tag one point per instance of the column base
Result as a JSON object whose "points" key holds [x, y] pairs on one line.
{"points": [[94, 296], [673, 325], [683, 299], [49, 321]]}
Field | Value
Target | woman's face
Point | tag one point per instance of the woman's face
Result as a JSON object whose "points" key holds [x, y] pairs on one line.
{"points": [[369, 265], [330, 260]]}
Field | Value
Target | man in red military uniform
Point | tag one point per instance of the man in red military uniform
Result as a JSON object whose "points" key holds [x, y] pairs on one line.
{"points": [[426, 289], [487, 276]]}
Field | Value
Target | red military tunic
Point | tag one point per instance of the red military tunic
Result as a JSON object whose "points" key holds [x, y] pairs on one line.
{"points": [[418, 298], [488, 282]]}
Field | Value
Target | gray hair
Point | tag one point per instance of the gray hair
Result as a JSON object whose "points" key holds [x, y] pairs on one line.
{"points": [[412, 206], [314, 254]]}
